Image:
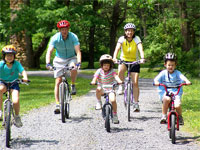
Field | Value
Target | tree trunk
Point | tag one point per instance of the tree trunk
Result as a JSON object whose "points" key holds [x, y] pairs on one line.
{"points": [[91, 37], [184, 26], [115, 23], [21, 40]]}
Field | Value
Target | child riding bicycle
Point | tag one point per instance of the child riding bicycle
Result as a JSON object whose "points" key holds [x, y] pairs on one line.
{"points": [[9, 71], [170, 77], [106, 75]]}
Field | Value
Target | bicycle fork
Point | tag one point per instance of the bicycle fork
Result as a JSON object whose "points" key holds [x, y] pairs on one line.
{"points": [[169, 117], [104, 110]]}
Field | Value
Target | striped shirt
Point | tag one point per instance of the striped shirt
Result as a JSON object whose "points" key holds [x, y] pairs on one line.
{"points": [[105, 77]]}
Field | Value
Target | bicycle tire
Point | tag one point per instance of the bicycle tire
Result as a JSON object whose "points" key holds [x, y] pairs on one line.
{"points": [[107, 120], [129, 100], [173, 129], [62, 101], [8, 123]]}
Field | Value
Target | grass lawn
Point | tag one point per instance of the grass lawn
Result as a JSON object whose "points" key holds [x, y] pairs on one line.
{"points": [[40, 92]]}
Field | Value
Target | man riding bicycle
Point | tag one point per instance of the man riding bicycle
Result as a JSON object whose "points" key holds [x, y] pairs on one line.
{"points": [[129, 45], [68, 52]]}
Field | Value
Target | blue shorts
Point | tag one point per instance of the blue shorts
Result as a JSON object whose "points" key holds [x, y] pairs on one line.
{"points": [[15, 86]]}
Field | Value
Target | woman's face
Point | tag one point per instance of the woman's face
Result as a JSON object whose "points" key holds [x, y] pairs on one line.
{"points": [[9, 58], [129, 33]]}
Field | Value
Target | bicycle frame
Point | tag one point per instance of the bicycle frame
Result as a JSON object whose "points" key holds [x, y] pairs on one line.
{"points": [[128, 79], [172, 107]]}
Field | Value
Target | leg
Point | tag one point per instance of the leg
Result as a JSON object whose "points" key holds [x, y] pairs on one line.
{"points": [[15, 98], [56, 90], [73, 78], [166, 101], [16, 106], [121, 70], [99, 92], [177, 104], [135, 77], [2, 90], [112, 98]]}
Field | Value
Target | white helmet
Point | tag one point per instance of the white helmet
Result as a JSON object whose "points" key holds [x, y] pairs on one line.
{"points": [[129, 26], [106, 58]]}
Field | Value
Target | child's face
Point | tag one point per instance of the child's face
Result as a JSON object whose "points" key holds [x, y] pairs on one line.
{"points": [[106, 67], [9, 58], [170, 66]]}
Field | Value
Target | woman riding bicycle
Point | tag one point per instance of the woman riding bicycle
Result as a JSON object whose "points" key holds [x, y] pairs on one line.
{"points": [[170, 77], [9, 71], [129, 45]]}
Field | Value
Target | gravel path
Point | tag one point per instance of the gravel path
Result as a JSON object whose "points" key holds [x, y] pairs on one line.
{"points": [[85, 130]]}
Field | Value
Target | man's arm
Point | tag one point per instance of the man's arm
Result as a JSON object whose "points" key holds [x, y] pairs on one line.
{"points": [[78, 53], [48, 54]]}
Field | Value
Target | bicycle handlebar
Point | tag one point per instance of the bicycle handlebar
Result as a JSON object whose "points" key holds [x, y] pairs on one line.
{"points": [[128, 63], [166, 87], [20, 81], [65, 67]]}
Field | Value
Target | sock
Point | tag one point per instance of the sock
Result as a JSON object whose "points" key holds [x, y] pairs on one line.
{"points": [[73, 83], [114, 113], [57, 103]]}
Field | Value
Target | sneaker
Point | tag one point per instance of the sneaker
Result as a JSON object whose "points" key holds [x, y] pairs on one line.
{"points": [[115, 119], [73, 90], [98, 105], [163, 120], [1, 115], [181, 122], [120, 90], [17, 121], [57, 110], [136, 108]]}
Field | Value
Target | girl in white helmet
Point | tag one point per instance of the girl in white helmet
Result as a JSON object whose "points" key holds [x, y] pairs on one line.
{"points": [[106, 75]]}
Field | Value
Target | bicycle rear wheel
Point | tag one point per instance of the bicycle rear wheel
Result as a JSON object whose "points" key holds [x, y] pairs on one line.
{"points": [[8, 123], [68, 97], [107, 120], [173, 129], [62, 97], [129, 100]]}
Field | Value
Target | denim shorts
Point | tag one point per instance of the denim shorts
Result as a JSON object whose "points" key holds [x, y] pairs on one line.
{"points": [[15, 86]]}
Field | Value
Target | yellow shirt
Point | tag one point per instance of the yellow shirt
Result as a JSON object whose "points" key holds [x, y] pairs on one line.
{"points": [[129, 51]]}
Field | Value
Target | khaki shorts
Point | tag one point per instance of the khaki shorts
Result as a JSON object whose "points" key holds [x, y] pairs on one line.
{"points": [[60, 62]]}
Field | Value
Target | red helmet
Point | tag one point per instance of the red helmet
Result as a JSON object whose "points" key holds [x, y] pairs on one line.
{"points": [[63, 24]]}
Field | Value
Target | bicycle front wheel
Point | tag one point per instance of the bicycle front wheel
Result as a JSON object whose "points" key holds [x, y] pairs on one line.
{"points": [[67, 108], [8, 123], [129, 100], [62, 97], [173, 129], [107, 120]]}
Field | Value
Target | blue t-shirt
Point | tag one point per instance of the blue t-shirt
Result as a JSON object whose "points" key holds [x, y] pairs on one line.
{"points": [[169, 79], [64, 48], [10, 74]]}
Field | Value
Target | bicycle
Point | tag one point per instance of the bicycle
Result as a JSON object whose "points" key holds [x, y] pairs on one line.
{"points": [[107, 109], [8, 109], [172, 116], [128, 90], [64, 93]]}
